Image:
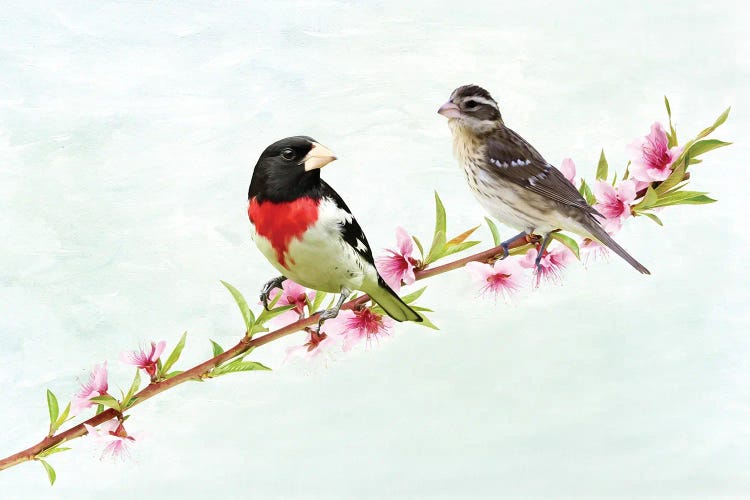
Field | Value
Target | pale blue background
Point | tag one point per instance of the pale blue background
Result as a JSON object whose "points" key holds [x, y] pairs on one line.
{"points": [[127, 135]]}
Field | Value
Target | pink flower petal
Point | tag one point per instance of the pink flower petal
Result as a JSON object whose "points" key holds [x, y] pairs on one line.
{"points": [[568, 169]]}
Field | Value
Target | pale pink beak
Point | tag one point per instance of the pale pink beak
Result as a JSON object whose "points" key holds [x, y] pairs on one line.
{"points": [[449, 110]]}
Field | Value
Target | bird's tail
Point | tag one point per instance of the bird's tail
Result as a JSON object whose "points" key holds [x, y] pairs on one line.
{"points": [[598, 232], [391, 303]]}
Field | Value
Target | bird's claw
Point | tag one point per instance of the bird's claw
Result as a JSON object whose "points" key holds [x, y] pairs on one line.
{"points": [[265, 292]]}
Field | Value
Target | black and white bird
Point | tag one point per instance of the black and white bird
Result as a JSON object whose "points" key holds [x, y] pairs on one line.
{"points": [[306, 231], [512, 181]]}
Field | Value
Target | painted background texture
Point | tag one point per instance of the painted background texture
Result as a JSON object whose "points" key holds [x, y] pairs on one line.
{"points": [[128, 131]]}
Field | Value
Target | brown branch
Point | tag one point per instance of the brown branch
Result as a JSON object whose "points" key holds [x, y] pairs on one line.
{"points": [[203, 369]]}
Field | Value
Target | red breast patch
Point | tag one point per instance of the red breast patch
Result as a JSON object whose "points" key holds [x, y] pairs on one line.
{"points": [[280, 222]]}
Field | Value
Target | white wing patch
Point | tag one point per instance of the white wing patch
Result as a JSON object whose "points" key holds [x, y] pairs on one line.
{"points": [[361, 245], [514, 163]]}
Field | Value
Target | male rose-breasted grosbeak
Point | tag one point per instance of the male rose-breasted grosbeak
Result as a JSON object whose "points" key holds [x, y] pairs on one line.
{"points": [[307, 232], [512, 181]]}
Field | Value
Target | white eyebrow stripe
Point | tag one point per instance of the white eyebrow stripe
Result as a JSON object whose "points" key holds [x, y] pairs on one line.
{"points": [[481, 100]]}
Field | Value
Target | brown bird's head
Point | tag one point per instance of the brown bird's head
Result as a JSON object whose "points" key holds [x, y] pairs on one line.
{"points": [[472, 107]]}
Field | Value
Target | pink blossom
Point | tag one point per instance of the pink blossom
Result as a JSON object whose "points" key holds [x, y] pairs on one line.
{"points": [[113, 435], [292, 294], [614, 202], [145, 359], [568, 169], [500, 278], [316, 345], [551, 265], [355, 325], [651, 157], [96, 386], [399, 265]]}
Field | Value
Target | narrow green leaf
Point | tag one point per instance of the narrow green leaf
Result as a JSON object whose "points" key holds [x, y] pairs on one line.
{"points": [[461, 237], [107, 401], [439, 237], [241, 366], [247, 314], [704, 146], [51, 451], [63, 417], [54, 409], [265, 316], [459, 248], [426, 322], [99, 408], [614, 179], [413, 295], [684, 198], [672, 134], [669, 109], [319, 297], [175, 354], [50, 471], [602, 169], [217, 349], [419, 246], [495, 232], [648, 200], [173, 374], [568, 242], [674, 179], [627, 172], [652, 216], [721, 119], [585, 191], [134, 386]]}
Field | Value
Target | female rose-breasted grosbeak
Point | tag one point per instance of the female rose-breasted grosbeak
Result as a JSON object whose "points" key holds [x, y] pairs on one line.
{"points": [[512, 181], [307, 232]]}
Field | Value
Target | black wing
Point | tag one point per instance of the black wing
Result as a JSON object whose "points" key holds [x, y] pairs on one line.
{"points": [[351, 231], [515, 160]]}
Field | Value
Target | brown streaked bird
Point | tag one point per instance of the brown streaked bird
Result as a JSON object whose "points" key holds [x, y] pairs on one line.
{"points": [[512, 181]]}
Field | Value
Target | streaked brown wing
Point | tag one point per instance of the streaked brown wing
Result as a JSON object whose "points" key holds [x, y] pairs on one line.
{"points": [[517, 161]]}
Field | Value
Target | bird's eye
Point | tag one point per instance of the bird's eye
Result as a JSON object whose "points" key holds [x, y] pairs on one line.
{"points": [[288, 154], [471, 104]]}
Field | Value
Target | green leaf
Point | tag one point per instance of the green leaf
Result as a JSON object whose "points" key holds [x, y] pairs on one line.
{"points": [[602, 169], [319, 298], [50, 471], [419, 246], [568, 242], [495, 232], [134, 386], [674, 179], [426, 322], [438, 239], [175, 354], [461, 237], [217, 349], [672, 134], [54, 409], [459, 248], [107, 401], [173, 374], [247, 314], [652, 216], [63, 417], [238, 366], [585, 191], [721, 119], [51, 451], [704, 146], [648, 200], [99, 408], [265, 316], [683, 198], [408, 299]]}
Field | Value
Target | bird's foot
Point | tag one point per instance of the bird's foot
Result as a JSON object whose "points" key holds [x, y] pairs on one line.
{"points": [[334, 311], [505, 246], [265, 292]]}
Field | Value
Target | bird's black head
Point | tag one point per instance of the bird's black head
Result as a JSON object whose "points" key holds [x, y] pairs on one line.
{"points": [[473, 107], [288, 169]]}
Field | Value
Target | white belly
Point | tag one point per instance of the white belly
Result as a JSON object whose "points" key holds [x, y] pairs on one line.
{"points": [[321, 259]]}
